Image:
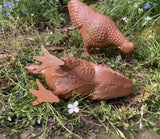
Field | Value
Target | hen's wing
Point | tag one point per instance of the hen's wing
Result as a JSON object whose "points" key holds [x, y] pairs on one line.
{"points": [[78, 88], [84, 69], [78, 76]]}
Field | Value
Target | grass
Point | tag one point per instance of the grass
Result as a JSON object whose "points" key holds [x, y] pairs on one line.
{"points": [[23, 34]]}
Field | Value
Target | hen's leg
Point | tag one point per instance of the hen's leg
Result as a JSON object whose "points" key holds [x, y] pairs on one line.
{"points": [[88, 50], [88, 53], [43, 95]]}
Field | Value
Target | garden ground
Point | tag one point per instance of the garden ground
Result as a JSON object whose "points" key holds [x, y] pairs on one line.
{"points": [[47, 23]]}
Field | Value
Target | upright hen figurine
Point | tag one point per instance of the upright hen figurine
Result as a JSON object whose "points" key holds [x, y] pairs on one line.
{"points": [[97, 30], [69, 76]]}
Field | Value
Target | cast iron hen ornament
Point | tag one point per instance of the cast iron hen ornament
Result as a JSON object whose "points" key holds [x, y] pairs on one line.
{"points": [[97, 30], [69, 76]]}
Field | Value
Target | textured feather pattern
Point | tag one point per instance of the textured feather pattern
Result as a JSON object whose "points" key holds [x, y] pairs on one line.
{"points": [[75, 74], [97, 30], [71, 76], [81, 67], [77, 19]]}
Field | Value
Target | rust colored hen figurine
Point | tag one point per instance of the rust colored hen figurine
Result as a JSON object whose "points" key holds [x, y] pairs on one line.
{"points": [[97, 30], [69, 76]]}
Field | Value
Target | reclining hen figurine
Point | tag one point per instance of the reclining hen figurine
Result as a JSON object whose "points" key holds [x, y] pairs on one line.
{"points": [[70, 76], [97, 30]]}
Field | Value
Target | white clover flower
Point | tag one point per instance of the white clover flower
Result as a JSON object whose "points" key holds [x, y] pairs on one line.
{"points": [[73, 107], [125, 19]]}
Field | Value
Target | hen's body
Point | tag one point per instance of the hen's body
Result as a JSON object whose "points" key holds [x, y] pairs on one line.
{"points": [[70, 76], [97, 30], [75, 75]]}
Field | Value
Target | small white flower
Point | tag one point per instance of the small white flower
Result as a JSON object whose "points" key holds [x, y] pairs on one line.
{"points": [[73, 107], [147, 19], [32, 14], [135, 5], [125, 19], [140, 10], [51, 32], [150, 36], [100, 2]]}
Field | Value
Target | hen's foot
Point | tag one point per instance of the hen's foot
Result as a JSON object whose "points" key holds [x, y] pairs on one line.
{"points": [[43, 95]]}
